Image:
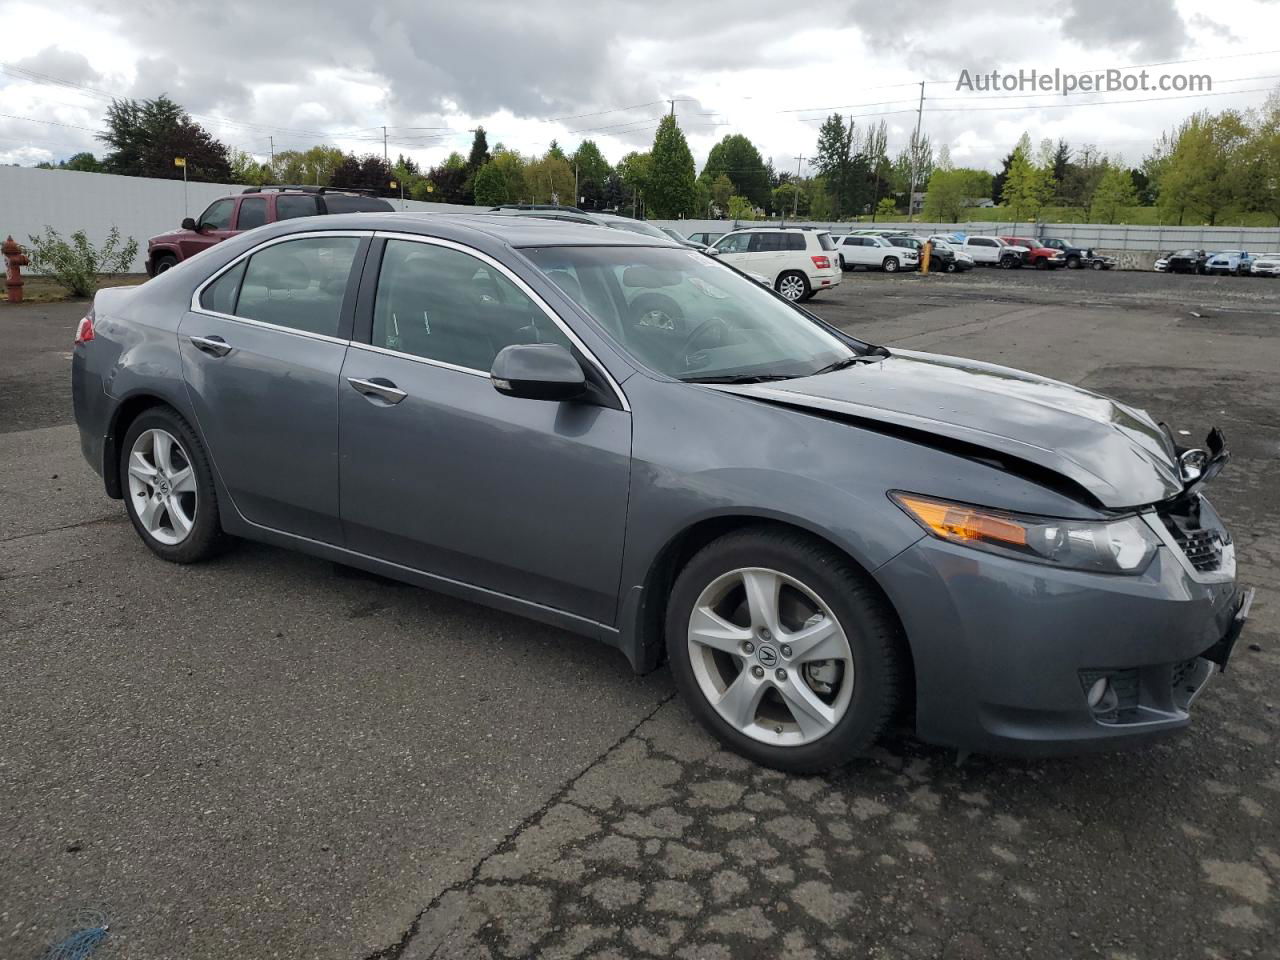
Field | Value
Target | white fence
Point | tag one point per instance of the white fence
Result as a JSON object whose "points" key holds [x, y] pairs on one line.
{"points": [[140, 208]]}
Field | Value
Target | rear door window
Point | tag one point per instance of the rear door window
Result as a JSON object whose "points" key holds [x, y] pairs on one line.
{"points": [[292, 205], [795, 241], [299, 284]]}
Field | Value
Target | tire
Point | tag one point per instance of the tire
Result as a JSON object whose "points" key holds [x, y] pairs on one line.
{"points": [[1097, 265], [1073, 263], [861, 694], [793, 285], [890, 265], [1008, 263], [1043, 264], [950, 267], [166, 261], [193, 531]]}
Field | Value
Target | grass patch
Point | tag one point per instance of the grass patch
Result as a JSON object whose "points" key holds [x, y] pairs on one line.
{"points": [[40, 289]]}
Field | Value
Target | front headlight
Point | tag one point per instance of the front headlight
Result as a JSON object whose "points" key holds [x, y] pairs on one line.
{"points": [[1109, 546]]}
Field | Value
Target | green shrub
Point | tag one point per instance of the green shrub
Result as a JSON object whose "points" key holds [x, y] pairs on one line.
{"points": [[75, 265]]}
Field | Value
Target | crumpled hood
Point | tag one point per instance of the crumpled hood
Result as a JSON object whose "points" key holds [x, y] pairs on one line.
{"points": [[1117, 453]]}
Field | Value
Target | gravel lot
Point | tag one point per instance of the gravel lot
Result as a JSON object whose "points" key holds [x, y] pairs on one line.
{"points": [[271, 756]]}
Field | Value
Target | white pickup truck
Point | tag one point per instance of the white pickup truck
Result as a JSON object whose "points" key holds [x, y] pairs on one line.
{"points": [[992, 251]]}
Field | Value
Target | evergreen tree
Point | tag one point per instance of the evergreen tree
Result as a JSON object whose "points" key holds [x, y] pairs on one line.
{"points": [[669, 193]]}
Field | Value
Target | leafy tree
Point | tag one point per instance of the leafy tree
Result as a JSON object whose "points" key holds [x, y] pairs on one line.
{"points": [[319, 163], [1115, 192], [886, 208], [946, 197], [741, 208], [736, 157], [489, 186], [85, 162], [633, 176], [76, 266], [593, 173], [701, 199], [843, 169], [479, 155], [999, 180], [1262, 160], [245, 168], [1206, 171], [555, 150], [670, 191], [1082, 177], [1029, 186], [550, 180], [1060, 160], [721, 191], [146, 135]]}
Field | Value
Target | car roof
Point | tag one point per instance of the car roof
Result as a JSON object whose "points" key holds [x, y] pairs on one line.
{"points": [[513, 231]]}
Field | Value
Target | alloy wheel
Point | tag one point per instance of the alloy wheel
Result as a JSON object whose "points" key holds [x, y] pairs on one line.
{"points": [[770, 657], [162, 486], [791, 287]]}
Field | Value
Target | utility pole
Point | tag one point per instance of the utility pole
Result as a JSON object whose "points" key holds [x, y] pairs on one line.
{"points": [[272, 141], [915, 150], [385, 158], [673, 107], [795, 209], [576, 198]]}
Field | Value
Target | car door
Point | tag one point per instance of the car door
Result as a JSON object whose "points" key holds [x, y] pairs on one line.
{"points": [[261, 350], [213, 226], [733, 247], [443, 474], [852, 251], [982, 249]]}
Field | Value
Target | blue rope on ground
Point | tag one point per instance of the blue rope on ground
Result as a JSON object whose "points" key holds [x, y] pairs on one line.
{"points": [[78, 945]]}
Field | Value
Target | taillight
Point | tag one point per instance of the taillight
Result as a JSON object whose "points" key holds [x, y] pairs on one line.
{"points": [[822, 263], [84, 332]]}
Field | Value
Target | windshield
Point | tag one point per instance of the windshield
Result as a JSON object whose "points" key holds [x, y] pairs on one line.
{"points": [[682, 314], [637, 226]]}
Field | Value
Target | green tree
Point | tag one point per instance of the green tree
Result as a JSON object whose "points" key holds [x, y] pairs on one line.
{"points": [[1115, 192], [146, 135], [886, 207], [1206, 171], [1262, 161], [741, 208], [593, 174], [945, 198], [736, 157], [489, 186], [1029, 186], [245, 168], [550, 180], [85, 162], [670, 191], [843, 169], [721, 191], [479, 155], [633, 175]]}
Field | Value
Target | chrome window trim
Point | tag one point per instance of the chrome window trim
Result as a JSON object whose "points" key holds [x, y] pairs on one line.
{"points": [[196, 307], [523, 287], [472, 371]]}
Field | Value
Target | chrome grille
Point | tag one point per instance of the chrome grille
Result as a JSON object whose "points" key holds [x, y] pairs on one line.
{"points": [[1202, 547]]}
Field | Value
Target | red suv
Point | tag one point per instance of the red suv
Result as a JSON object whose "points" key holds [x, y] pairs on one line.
{"points": [[254, 207], [1038, 255]]}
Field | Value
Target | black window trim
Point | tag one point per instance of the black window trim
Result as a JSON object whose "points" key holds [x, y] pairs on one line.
{"points": [[345, 317], [362, 335]]}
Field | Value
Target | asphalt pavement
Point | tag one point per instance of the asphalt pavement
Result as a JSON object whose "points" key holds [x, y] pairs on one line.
{"points": [[270, 756]]}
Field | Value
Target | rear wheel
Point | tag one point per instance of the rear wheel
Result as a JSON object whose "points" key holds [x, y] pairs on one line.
{"points": [[1073, 263], [793, 285], [1097, 265], [890, 264], [783, 650], [168, 487]]}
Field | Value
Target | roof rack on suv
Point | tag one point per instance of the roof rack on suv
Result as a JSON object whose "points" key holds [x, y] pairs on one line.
{"points": [[536, 206], [788, 226], [309, 188]]}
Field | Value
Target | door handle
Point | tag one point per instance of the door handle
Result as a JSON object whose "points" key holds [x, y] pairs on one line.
{"points": [[212, 345], [379, 388]]}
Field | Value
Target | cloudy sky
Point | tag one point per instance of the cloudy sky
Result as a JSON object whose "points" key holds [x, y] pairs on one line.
{"points": [[337, 72]]}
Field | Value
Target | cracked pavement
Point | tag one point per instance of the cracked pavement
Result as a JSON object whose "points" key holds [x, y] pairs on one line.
{"points": [[270, 756]]}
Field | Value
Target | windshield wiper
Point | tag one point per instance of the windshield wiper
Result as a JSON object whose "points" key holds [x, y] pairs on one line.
{"points": [[739, 378], [873, 355]]}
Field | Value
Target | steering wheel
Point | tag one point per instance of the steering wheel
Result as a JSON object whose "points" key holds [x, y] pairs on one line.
{"points": [[699, 330]]}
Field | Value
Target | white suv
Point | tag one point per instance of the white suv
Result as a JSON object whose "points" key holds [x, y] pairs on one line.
{"points": [[992, 251], [875, 252], [797, 262]]}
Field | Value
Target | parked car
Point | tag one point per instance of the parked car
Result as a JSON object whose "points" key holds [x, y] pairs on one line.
{"points": [[705, 238], [683, 241], [1228, 261], [1038, 255], [256, 206], [1162, 263], [801, 262], [875, 252], [1266, 265], [817, 533], [1186, 261], [992, 251], [942, 257], [1077, 257]]}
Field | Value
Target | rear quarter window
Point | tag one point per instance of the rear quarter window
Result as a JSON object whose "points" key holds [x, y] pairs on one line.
{"points": [[340, 204], [291, 206], [825, 241]]}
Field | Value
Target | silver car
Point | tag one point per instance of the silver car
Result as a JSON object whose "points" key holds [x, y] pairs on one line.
{"points": [[628, 439]]}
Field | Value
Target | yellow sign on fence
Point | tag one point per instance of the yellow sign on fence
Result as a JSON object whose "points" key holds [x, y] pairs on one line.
{"points": [[179, 161]]}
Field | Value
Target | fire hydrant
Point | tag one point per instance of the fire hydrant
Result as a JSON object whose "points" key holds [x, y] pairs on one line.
{"points": [[15, 260]]}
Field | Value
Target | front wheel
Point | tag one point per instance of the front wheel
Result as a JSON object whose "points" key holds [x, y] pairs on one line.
{"points": [[1097, 265], [950, 267], [783, 650], [793, 285], [1008, 263], [164, 262], [890, 264], [1073, 263], [168, 486]]}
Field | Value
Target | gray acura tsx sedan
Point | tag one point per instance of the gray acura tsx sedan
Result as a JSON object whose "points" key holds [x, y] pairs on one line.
{"points": [[630, 440]]}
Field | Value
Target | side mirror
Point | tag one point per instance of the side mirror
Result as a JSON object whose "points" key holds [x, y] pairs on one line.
{"points": [[537, 371], [711, 252], [188, 223]]}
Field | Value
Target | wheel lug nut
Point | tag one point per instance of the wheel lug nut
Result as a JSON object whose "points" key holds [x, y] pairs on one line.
{"points": [[786, 650], [748, 647], [781, 674], [765, 634], [757, 672]]}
